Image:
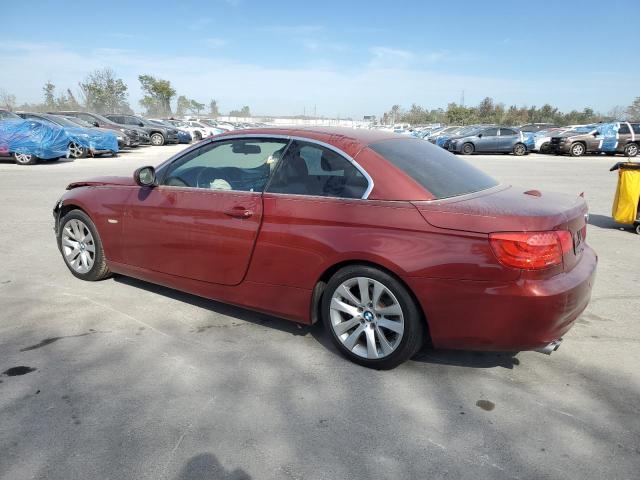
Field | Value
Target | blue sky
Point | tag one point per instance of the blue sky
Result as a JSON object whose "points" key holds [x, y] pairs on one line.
{"points": [[347, 58]]}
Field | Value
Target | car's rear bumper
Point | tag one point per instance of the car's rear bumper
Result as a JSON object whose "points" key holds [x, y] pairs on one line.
{"points": [[521, 315]]}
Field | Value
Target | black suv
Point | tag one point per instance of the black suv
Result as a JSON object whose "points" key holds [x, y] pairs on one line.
{"points": [[158, 134], [132, 135]]}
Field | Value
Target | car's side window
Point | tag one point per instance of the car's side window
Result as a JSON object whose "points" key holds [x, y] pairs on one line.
{"points": [[507, 132], [311, 169], [238, 165], [624, 128], [490, 132]]}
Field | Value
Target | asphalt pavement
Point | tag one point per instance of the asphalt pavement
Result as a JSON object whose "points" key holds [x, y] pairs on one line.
{"points": [[122, 379]]}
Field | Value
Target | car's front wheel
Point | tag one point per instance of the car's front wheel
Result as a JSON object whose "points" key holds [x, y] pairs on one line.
{"points": [[467, 149], [577, 149], [157, 139], [25, 158], [371, 317], [77, 151], [81, 247]]}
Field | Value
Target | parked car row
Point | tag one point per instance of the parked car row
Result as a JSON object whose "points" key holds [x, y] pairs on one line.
{"points": [[30, 136], [609, 138]]}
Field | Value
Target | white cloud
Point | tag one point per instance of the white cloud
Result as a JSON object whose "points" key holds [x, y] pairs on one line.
{"points": [[387, 56], [359, 89]]}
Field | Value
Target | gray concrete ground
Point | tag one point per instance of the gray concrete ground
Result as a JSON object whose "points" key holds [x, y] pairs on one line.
{"points": [[135, 381]]}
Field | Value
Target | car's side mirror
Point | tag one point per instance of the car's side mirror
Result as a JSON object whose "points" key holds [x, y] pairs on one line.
{"points": [[479, 135], [95, 124], [595, 134], [145, 176]]}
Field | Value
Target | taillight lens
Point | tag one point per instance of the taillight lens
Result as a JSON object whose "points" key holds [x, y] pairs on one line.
{"points": [[531, 250]]}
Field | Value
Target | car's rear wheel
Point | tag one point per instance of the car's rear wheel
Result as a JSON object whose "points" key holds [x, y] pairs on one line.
{"points": [[631, 150], [81, 247], [545, 147], [25, 158], [519, 149], [157, 139], [371, 317], [77, 151], [467, 149], [577, 149]]}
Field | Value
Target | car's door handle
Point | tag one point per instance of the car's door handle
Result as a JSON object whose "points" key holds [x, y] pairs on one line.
{"points": [[238, 212]]}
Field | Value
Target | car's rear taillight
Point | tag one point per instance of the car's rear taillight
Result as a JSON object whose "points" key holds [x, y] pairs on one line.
{"points": [[531, 250]]}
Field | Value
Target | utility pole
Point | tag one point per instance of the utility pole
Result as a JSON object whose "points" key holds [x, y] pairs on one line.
{"points": [[462, 99]]}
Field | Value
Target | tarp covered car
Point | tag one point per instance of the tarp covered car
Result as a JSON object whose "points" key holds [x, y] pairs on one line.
{"points": [[28, 140]]}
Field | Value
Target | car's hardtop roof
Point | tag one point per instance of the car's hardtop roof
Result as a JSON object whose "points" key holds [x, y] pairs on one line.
{"points": [[358, 135]]}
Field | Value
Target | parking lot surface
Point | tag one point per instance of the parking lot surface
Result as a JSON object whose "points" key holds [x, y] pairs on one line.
{"points": [[130, 380]]}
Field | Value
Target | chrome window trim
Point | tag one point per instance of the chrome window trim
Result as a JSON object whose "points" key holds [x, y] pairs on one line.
{"points": [[347, 157]]}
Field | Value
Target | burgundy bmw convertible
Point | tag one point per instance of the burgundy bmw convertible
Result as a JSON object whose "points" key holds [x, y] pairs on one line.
{"points": [[388, 240]]}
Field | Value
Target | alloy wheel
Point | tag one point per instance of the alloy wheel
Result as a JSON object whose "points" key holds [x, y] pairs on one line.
{"points": [[631, 150], [23, 158], [75, 150], [577, 150], [366, 317], [519, 150], [78, 246]]}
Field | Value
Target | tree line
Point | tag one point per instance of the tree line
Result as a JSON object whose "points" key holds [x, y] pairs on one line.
{"points": [[102, 92], [488, 111]]}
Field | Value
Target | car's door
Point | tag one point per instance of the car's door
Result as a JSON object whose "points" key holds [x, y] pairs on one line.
{"points": [[314, 197], [487, 140], [506, 140], [201, 221]]}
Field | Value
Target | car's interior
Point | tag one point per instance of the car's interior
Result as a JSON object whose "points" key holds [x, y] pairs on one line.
{"points": [[242, 165]]}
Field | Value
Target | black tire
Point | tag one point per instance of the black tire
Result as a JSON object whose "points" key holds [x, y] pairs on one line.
{"points": [[545, 147], [157, 139], [631, 149], [638, 229], [197, 136], [467, 149], [577, 149], [25, 158], [99, 270], [519, 149], [414, 324]]}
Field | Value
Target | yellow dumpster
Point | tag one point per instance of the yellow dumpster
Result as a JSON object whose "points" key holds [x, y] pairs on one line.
{"points": [[625, 203]]}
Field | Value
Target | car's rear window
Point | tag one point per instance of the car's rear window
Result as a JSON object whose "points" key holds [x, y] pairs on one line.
{"points": [[440, 172]]}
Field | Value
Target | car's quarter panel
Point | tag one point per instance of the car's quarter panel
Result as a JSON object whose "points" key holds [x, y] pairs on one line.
{"points": [[301, 237], [515, 315], [193, 233]]}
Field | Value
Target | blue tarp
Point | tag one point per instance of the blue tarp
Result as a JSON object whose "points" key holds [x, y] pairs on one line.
{"points": [[608, 133], [34, 138], [93, 139]]}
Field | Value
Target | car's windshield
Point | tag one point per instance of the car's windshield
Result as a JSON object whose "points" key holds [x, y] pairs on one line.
{"points": [[5, 114], [79, 122], [60, 121], [585, 129], [102, 119], [440, 172]]}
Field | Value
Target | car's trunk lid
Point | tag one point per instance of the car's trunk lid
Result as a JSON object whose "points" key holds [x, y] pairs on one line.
{"points": [[511, 209]]}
